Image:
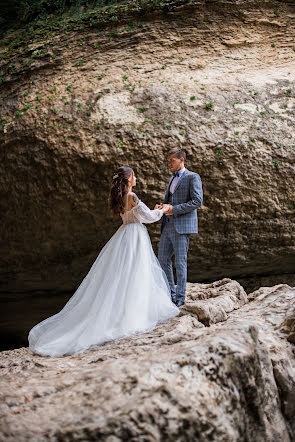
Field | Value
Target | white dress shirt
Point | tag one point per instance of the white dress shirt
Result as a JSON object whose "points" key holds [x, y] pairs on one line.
{"points": [[175, 180]]}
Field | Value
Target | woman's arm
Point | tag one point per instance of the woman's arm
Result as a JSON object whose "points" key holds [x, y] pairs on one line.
{"points": [[146, 215]]}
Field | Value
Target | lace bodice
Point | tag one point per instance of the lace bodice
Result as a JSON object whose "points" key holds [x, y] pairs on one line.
{"points": [[141, 214]]}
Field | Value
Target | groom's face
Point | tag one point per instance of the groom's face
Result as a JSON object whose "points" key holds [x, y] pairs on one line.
{"points": [[175, 164]]}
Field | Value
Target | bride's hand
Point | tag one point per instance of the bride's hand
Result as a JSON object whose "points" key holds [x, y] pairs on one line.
{"points": [[165, 208], [158, 206]]}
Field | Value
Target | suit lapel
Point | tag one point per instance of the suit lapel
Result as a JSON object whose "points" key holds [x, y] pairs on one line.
{"points": [[179, 180]]}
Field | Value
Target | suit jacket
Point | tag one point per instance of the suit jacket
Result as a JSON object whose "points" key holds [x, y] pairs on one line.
{"points": [[187, 196]]}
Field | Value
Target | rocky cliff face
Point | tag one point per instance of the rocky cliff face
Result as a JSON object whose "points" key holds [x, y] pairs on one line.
{"points": [[214, 78], [223, 370]]}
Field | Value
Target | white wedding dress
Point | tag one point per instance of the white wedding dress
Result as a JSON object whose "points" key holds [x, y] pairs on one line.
{"points": [[125, 292]]}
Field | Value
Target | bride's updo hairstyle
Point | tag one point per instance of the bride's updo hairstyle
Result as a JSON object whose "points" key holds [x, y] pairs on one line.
{"points": [[119, 188]]}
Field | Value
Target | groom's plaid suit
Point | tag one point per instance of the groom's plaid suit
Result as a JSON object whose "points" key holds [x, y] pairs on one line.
{"points": [[176, 228]]}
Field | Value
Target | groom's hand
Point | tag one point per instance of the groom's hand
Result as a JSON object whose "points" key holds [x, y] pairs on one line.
{"points": [[159, 206], [169, 209]]}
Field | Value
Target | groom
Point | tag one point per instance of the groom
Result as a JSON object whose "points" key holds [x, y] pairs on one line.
{"points": [[183, 195]]}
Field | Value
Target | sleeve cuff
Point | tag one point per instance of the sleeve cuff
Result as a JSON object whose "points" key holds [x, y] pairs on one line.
{"points": [[174, 210]]}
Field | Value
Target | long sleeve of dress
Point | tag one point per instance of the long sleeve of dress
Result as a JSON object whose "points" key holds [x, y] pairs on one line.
{"points": [[145, 215]]}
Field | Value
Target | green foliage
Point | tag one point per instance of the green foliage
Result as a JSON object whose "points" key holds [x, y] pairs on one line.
{"points": [[209, 105], [133, 26], [22, 21], [27, 106], [20, 12], [38, 53]]}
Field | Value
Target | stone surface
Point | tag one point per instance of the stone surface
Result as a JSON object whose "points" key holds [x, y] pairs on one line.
{"points": [[288, 326], [231, 381], [211, 302]]}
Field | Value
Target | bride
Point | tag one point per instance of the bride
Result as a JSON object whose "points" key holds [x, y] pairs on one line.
{"points": [[125, 291]]}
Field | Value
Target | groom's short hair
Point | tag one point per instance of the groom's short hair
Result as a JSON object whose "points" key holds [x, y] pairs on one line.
{"points": [[176, 152]]}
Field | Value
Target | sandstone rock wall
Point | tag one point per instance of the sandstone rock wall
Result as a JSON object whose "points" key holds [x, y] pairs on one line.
{"points": [[92, 100]]}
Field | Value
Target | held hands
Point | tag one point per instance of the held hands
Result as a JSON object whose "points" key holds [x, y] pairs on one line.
{"points": [[167, 208]]}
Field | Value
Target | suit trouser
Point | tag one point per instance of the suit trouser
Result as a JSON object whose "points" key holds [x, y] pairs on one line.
{"points": [[174, 243]]}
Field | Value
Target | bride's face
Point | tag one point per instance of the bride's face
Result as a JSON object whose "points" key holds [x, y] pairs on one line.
{"points": [[132, 180]]}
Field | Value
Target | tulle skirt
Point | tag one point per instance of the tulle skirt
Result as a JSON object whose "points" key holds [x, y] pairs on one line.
{"points": [[125, 292]]}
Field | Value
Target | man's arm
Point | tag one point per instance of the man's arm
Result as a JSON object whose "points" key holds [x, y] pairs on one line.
{"points": [[196, 194]]}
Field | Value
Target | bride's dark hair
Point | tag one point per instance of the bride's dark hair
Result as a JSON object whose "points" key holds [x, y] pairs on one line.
{"points": [[119, 188]]}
